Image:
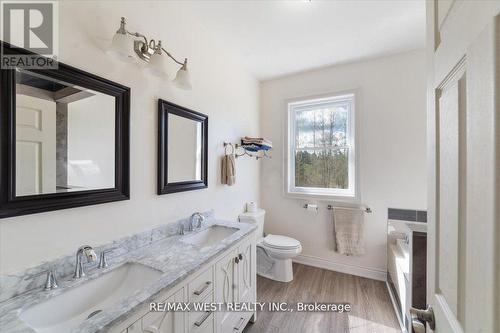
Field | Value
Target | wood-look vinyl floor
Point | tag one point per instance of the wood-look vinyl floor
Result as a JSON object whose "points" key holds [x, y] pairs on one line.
{"points": [[372, 310]]}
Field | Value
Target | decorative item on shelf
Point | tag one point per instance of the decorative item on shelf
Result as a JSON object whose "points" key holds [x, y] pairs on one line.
{"points": [[256, 144], [241, 150], [123, 47]]}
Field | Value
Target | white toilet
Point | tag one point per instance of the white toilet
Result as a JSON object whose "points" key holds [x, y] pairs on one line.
{"points": [[274, 252]]}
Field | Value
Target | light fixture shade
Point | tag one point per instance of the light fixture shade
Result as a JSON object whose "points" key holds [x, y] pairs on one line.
{"points": [[157, 65], [122, 47], [182, 79]]}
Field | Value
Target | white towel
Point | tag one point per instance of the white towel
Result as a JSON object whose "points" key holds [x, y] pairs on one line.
{"points": [[348, 231]]}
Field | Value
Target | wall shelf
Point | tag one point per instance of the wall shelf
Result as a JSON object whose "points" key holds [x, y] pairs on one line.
{"points": [[240, 150]]}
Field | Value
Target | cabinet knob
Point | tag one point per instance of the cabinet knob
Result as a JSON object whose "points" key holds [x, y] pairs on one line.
{"points": [[236, 260], [240, 256]]}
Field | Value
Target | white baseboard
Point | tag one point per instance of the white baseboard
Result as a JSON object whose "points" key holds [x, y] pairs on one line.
{"points": [[342, 268]]}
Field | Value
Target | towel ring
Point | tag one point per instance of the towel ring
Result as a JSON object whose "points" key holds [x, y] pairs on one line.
{"points": [[226, 145]]}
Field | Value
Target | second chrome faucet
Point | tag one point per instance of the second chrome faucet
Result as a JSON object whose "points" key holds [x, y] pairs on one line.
{"points": [[89, 253], [200, 219], [190, 227]]}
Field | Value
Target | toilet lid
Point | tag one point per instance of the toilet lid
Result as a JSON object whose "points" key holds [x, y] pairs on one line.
{"points": [[281, 242]]}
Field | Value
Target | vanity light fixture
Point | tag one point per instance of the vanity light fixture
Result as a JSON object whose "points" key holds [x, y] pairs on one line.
{"points": [[152, 52]]}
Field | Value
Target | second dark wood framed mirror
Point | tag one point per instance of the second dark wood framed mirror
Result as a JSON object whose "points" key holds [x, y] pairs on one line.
{"points": [[182, 149]]}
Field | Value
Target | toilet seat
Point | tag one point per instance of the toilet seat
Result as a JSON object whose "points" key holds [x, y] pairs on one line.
{"points": [[279, 242]]}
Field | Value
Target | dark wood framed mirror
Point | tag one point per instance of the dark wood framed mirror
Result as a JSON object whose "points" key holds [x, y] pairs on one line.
{"points": [[182, 149], [64, 138]]}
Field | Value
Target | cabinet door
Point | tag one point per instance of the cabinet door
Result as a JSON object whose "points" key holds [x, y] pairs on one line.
{"points": [[225, 286], [166, 322], [246, 272]]}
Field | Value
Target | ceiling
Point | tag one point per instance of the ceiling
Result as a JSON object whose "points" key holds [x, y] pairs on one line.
{"points": [[276, 38]]}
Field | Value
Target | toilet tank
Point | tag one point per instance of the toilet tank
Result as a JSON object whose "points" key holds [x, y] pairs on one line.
{"points": [[256, 217]]}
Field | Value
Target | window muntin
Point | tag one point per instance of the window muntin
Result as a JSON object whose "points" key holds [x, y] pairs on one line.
{"points": [[321, 158]]}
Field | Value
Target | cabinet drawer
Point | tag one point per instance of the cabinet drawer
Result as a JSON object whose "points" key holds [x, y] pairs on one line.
{"points": [[237, 322], [201, 322], [168, 321], [201, 286]]}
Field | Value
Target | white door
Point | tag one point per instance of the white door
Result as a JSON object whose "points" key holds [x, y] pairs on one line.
{"points": [[463, 288], [35, 145]]}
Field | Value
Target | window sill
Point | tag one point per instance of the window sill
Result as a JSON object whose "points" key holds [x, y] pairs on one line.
{"points": [[321, 197]]}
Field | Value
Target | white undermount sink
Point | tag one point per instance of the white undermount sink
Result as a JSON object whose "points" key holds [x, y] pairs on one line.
{"points": [[69, 309], [209, 236]]}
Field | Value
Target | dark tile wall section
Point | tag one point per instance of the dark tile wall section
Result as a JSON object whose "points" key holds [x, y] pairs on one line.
{"points": [[407, 215], [421, 216], [419, 269]]}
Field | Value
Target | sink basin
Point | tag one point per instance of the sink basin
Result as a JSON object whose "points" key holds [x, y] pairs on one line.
{"points": [[209, 236], [65, 311]]}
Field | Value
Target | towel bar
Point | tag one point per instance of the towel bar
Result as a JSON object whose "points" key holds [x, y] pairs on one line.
{"points": [[331, 207], [365, 209]]}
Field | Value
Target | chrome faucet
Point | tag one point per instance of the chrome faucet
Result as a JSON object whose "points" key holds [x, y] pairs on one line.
{"points": [[50, 280], [181, 229], [89, 253], [200, 219], [103, 261]]}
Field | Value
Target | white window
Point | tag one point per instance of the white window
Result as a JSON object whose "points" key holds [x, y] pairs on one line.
{"points": [[321, 159]]}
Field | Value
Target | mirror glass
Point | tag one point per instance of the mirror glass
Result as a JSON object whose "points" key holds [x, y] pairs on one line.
{"points": [[184, 149], [65, 136]]}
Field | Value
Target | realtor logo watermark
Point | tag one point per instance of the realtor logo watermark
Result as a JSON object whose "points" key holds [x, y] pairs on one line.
{"points": [[31, 25]]}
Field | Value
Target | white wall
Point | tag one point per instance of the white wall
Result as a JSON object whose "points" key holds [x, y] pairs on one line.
{"points": [[390, 110], [230, 99]]}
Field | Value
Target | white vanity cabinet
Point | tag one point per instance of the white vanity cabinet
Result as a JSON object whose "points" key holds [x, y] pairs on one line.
{"points": [[230, 278], [235, 282]]}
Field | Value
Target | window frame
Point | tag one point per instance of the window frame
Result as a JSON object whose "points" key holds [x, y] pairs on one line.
{"points": [[350, 194]]}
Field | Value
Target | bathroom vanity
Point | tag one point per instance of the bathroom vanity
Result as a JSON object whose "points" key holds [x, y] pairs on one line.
{"points": [[228, 278], [214, 263]]}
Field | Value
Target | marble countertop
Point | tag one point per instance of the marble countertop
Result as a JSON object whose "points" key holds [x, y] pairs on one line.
{"points": [[176, 260]]}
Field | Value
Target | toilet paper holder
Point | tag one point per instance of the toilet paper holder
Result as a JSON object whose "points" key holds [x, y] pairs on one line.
{"points": [[311, 207]]}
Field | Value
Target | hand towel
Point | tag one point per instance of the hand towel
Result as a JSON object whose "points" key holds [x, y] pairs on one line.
{"points": [[348, 231], [228, 170]]}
